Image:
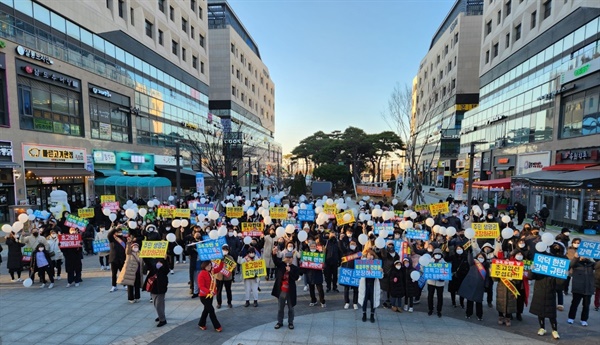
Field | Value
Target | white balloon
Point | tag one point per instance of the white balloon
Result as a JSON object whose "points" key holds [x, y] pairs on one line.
{"points": [[229, 204], [17, 226], [429, 222], [403, 224], [383, 233], [178, 250], [150, 203], [290, 229], [347, 217], [29, 211], [247, 203], [442, 230], [507, 233], [435, 229], [265, 204], [106, 211], [386, 215], [250, 212], [548, 238], [23, 217], [125, 207], [505, 219], [176, 223], [235, 222], [131, 224], [130, 213], [362, 239], [380, 242], [296, 208], [469, 233], [202, 200], [213, 234], [451, 231], [195, 195], [185, 222], [31, 217], [222, 231], [413, 215], [370, 223], [409, 203], [143, 212], [129, 202], [406, 214], [247, 240], [280, 231], [156, 202], [377, 207], [318, 210], [27, 282], [303, 206], [7, 228], [302, 236], [409, 224], [415, 275], [320, 221], [425, 260], [486, 206], [329, 202], [268, 220], [171, 237], [112, 217], [394, 202], [45, 213], [171, 198], [213, 215], [541, 247]]}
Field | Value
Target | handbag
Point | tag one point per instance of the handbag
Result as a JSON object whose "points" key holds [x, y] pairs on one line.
{"points": [[150, 283]]}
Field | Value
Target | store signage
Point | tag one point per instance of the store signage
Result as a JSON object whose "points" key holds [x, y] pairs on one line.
{"points": [[577, 155], [166, 160], [232, 138], [6, 149], [100, 92], [503, 160], [46, 153], [105, 157], [41, 73], [581, 71], [528, 163], [34, 55], [138, 159], [465, 107], [189, 125], [556, 92]]}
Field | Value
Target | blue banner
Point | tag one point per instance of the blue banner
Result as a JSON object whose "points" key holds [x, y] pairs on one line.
{"points": [[204, 208], [275, 199], [101, 246], [589, 249], [40, 215], [438, 271], [293, 222], [368, 269], [385, 226], [398, 247], [209, 250], [550, 266], [222, 241], [417, 234], [306, 215], [347, 277]]}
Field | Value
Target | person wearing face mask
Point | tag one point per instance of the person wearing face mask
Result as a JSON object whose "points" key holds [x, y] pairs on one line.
{"points": [[436, 286], [269, 243], [314, 279], [563, 237], [102, 235], [15, 257], [34, 239], [224, 281], [207, 286], [131, 275], [460, 269], [284, 288], [117, 254], [473, 286], [353, 248], [389, 256], [55, 253], [251, 284], [506, 301], [42, 264], [411, 287], [369, 290], [73, 265], [397, 288], [333, 258], [234, 244], [571, 252], [583, 286], [194, 265], [159, 271]]}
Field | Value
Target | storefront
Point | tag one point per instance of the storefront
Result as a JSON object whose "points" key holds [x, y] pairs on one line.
{"points": [[110, 115], [504, 166], [532, 162], [49, 168], [9, 171], [494, 192]]}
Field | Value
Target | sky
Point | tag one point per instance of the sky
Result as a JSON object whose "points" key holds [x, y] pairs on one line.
{"points": [[335, 63]]}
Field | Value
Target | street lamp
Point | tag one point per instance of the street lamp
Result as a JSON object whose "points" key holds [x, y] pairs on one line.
{"points": [[471, 163], [177, 169]]}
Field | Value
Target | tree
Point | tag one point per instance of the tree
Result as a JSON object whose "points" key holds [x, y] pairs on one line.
{"points": [[299, 185], [335, 173], [382, 144]]}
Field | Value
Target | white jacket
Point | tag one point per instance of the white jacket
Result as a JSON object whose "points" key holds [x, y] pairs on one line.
{"points": [[376, 293], [53, 247]]}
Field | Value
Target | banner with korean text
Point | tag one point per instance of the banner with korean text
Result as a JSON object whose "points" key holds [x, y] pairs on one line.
{"points": [[550, 266], [312, 260], [507, 269], [154, 249], [368, 269], [438, 271], [252, 269], [486, 230]]}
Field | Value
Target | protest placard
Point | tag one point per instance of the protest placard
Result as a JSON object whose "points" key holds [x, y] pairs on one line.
{"points": [[204, 208], [421, 207], [73, 221], [41, 215], [306, 215], [278, 212], [527, 264], [312, 260], [69, 240], [331, 210], [383, 226], [341, 217], [209, 250], [221, 240], [27, 254], [402, 248], [113, 206], [154, 249], [486, 230], [181, 213], [85, 213], [368, 269], [252, 269], [415, 234], [234, 212], [293, 222], [252, 229], [589, 249], [275, 199], [438, 271], [441, 207], [507, 269], [165, 211], [346, 277], [101, 246], [550, 266], [228, 266], [107, 198]]}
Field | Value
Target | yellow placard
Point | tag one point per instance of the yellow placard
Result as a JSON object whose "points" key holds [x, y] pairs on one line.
{"points": [[421, 207], [339, 217], [234, 212], [330, 209], [252, 269], [252, 229], [486, 230], [165, 211], [181, 213], [441, 207], [85, 213], [506, 269], [278, 212], [228, 266], [154, 249], [107, 198]]}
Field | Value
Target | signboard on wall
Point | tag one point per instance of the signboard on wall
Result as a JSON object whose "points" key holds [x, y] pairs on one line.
{"points": [[47, 153], [532, 162]]}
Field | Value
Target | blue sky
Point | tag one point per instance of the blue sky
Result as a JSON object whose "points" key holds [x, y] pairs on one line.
{"points": [[335, 63]]}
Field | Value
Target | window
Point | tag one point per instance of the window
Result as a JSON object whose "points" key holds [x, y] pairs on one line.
{"points": [[192, 32], [3, 101], [507, 43], [131, 16], [517, 32], [487, 56], [507, 8], [194, 62], [453, 84], [172, 13], [232, 46], [161, 5], [446, 50], [201, 41], [495, 49], [193, 5], [579, 114], [109, 4], [456, 38], [200, 12], [108, 122], [488, 27], [183, 25], [161, 38], [449, 66], [175, 47], [183, 51], [233, 90], [547, 8], [499, 17], [148, 28], [121, 9]]}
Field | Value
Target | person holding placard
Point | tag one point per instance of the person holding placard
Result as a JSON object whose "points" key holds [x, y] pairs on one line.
{"points": [[73, 264], [131, 275], [571, 252], [436, 286], [251, 284], [284, 289], [314, 278], [352, 249], [583, 286], [225, 281], [369, 290], [55, 253], [474, 284], [102, 235], [207, 287]]}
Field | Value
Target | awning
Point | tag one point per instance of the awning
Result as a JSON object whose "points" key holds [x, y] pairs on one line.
{"points": [[587, 178], [569, 167], [132, 181], [503, 168], [58, 172], [497, 183], [109, 172], [132, 172], [463, 173], [540, 175], [173, 170], [9, 165]]}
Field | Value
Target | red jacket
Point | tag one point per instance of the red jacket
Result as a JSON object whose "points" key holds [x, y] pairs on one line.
{"points": [[207, 284]]}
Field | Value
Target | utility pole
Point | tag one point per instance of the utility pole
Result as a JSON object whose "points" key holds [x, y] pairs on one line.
{"points": [[249, 179], [178, 169], [471, 166]]}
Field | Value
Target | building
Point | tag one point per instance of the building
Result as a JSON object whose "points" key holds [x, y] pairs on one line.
{"points": [[242, 94], [538, 106], [444, 88], [94, 97]]}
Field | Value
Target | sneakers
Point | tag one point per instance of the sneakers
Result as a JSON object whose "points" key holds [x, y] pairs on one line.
{"points": [[113, 289], [323, 305], [570, 321], [584, 323], [176, 261], [161, 323], [172, 272], [255, 303], [305, 288], [220, 329], [555, 335], [20, 280], [278, 325], [417, 301], [13, 280], [355, 306], [69, 285], [131, 301], [312, 304], [136, 300], [410, 310], [184, 262], [347, 305], [542, 331], [247, 304], [76, 284], [58, 278], [42, 286], [560, 307], [51, 286], [405, 308], [202, 328]]}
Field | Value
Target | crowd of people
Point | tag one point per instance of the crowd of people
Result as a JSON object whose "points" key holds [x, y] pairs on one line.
{"points": [[399, 289]]}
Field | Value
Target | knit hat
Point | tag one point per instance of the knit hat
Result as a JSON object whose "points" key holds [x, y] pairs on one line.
{"points": [[437, 251], [565, 230]]}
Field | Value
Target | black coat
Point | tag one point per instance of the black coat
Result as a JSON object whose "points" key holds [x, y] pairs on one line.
{"points": [[117, 251], [73, 258], [543, 302], [397, 280], [294, 274], [411, 288], [473, 286], [15, 256], [162, 277], [582, 276], [460, 269]]}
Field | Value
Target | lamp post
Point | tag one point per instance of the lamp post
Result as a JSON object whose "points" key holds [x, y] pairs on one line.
{"points": [[471, 163], [177, 169]]}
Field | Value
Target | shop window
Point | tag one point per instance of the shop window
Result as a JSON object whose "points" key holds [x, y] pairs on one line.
{"points": [[3, 102], [108, 122]]}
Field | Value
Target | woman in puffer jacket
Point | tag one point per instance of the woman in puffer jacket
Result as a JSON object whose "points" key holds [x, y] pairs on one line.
{"points": [[56, 255], [131, 275]]}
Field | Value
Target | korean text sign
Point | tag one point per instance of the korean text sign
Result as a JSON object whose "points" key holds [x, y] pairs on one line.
{"points": [[368, 269], [550, 266], [589, 249], [154, 249], [234, 212], [69, 240], [228, 266], [347, 277], [306, 215], [101, 246], [507, 269], [76, 222], [85, 213], [252, 229], [441, 207], [417, 234], [165, 211], [312, 260], [256, 268], [339, 217], [383, 226], [209, 250], [278, 212], [486, 230], [438, 271]]}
